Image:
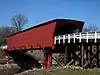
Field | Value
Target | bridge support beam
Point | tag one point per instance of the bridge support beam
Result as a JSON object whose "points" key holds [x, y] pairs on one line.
{"points": [[82, 54], [66, 54], [47, 63], [98, 56]]}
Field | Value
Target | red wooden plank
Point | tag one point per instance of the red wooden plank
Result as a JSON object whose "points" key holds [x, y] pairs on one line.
{"points": [[37, 37]]}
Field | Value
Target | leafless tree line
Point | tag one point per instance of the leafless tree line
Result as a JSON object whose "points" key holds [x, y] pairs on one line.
{"points": [[91, 28], [17, 24]]}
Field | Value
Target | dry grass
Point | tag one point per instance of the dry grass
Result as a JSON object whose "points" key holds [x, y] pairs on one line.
{"points": [[62, 71], [9, 69]]}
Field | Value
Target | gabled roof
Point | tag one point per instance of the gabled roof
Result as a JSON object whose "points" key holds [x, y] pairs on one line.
{"points": [[45, 23]]}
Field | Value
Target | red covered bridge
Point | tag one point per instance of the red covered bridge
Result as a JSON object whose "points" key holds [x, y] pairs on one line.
{"points": [[42, 36]]}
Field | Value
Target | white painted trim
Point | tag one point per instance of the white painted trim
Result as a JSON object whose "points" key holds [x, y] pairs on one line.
{"points": [[80, 36]]}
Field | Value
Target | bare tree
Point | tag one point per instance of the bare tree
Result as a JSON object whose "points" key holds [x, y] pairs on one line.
{"points": [[93, 28], [19, 21], [85, 29], [90, 28], [4, 32]]}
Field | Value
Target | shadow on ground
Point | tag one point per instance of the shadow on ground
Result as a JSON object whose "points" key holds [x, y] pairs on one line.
{"points": [[24, 60]]}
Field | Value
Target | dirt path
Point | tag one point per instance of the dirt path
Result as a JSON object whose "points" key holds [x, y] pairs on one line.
{"points": [[4, 70]]}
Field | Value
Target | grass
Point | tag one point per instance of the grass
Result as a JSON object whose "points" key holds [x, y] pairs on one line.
{"points": [[62, 71]]}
